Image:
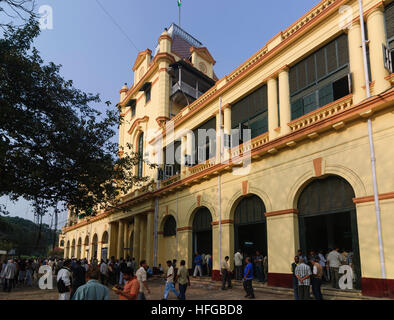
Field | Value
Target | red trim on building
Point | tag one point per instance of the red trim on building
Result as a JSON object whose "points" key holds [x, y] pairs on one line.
{"points": [[283, 280], [381, 288], [216, 275]]}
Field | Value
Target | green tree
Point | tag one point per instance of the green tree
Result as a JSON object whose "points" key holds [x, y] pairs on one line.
{"points": [[54, 146]]}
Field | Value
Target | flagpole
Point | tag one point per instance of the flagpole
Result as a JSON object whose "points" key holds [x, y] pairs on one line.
{"points": [[179, 15]]}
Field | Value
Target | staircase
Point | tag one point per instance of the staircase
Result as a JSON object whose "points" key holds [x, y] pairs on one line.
{"points": [[328, 293]]}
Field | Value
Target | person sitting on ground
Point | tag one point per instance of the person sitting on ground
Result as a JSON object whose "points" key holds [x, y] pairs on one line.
{"points": [[93, 289]]}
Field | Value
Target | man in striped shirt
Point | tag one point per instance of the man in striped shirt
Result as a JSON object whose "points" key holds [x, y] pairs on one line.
{"points": [[303, 274]]}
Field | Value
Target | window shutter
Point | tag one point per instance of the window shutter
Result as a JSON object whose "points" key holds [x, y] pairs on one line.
{"points": [[297, 109], [343, 50], [293, 80], [331, 57], [311, 73], [301, 74], [326, 95], [389, 17], [321, 63], [310, 103]]}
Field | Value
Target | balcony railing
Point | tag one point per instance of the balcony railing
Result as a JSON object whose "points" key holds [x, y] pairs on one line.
{"points": [[249, 145], [187, 89], [171, 180], [322, 113], [202, 166]]}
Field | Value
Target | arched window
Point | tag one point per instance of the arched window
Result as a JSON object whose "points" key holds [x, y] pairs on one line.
{"points": [[140, 155], [169, 227]]}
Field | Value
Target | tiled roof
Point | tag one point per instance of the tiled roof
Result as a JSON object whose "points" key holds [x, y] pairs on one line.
{"points": [[181, 47]]}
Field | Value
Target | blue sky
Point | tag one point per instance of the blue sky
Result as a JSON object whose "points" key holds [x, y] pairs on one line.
{"points": [[98, 57]]}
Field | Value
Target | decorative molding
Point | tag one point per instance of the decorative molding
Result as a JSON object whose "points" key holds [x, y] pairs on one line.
{"points": [[318, 166], [204, 53], [383, 196], [184, 229], [140, 58], [245, 187], [137, 122], [281, 213], [216, 223]]}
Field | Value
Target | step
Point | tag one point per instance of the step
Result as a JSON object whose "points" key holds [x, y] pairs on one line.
{"points": [[328, 293]]}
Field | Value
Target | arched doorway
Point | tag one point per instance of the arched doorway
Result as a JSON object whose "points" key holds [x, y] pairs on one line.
{"points": [[250, 226], [94, 246], [73, 249], [104, 249], [169, 247], [202, 231], [79, 248], [327, 219], [86, 245]]}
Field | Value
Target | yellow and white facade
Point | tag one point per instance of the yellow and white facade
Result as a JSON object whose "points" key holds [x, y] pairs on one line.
{"points": [[294, 149]]}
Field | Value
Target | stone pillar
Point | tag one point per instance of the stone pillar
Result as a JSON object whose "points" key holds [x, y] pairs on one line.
{"points": [[218, 129], [215, 252], [136, 241], [284, 101], [280, 257], [183, 154], [228, 241], [143, 238], [149, 238], [131, 244], [377, 37], [356, 62], [99, 248], [185, 246], [119, 251], [125, 240], [272, 89], [227, 130], [113, 230], [189, 144]]}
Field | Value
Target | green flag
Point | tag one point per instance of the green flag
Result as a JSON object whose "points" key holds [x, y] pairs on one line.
{"points": [[179, 3]]}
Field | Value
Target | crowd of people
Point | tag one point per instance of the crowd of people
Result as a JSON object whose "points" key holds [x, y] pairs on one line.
{"points": [[316, 268], [77, 279]]}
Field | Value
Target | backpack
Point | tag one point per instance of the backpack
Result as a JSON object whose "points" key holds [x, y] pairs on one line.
{"points": [[61, 287]]}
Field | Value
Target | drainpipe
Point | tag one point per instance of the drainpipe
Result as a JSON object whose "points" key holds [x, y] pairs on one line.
{"points": [[219, 182], [371, 147]]}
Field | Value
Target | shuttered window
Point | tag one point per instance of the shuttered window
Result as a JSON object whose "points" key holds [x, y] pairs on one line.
{"points": [[251, 113], [314, 82], [172, 159], [204, 149], [389, 17]]}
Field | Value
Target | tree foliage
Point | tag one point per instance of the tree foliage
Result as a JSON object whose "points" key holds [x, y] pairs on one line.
{"points": [[54, 146]]}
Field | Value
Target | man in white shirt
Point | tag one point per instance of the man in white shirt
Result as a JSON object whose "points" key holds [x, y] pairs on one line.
{"points": [[64, 281], [170, 282], [225, 272], [207, 257], [238, 258], [104, 272], [334, 261], [141, 277], [8, 274]]}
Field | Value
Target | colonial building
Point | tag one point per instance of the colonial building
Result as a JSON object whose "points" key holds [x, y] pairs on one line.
{"points": [[298, 174]]}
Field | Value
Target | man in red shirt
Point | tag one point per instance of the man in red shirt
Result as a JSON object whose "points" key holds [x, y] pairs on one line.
{"points": [[131, 288]]}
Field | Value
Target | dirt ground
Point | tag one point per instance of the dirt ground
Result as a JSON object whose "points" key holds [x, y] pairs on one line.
{"points": [[195, 292]]}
